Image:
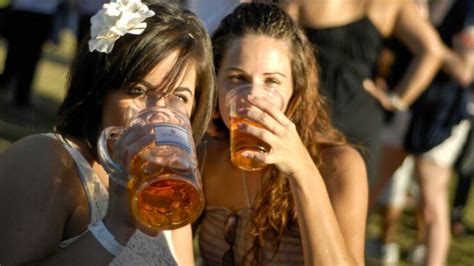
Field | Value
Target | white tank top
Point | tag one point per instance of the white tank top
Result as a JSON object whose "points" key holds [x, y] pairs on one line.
{"points": [[141, 249]]}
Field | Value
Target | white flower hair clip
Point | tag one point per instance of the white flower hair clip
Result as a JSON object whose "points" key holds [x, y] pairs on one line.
{"points": [[116, 19]]}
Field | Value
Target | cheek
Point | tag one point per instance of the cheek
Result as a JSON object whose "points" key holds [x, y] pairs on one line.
{"points": [[223, 110], [116, 112], [190, 108]]}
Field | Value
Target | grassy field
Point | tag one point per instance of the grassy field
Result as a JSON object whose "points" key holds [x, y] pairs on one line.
{"points": [[49, 89]]}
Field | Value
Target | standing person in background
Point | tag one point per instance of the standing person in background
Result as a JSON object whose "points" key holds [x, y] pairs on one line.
{"points": [[464, 166], [63, 208], [436, 132], [348, 36], [86, 9], [29, 24], [4, 8], [308, 206]]}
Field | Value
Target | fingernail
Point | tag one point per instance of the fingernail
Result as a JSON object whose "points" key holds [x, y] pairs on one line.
{"points": [[240, 125]]}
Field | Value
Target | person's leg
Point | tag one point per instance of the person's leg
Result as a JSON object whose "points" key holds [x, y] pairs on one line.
{"points": [[394, 199], [433, 171], [391, 159], [392, 156], [13, 56], [464, 168], [434, 184], [30, 45]]}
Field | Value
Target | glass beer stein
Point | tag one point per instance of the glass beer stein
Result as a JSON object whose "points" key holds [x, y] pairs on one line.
{"points": [[164, 183], [240, 142]]}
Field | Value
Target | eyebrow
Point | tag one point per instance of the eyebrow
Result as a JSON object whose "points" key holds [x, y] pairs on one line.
{"points": [[151, 87], [265, 74], [274, 73]]}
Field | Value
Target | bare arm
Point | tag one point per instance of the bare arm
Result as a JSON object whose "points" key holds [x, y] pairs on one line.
{"points": [[456, 67], [422, 39], [183, 245], [41, 193], [332, 210], [331, 203]]}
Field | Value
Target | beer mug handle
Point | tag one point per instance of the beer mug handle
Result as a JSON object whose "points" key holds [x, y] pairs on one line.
{"points": [[115, 170]]}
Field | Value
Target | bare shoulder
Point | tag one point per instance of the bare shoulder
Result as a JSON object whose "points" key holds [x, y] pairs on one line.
{"points": [[345, 176], [36, 153], [384, 13], [342, 163], [36, 165], [38, 175]]}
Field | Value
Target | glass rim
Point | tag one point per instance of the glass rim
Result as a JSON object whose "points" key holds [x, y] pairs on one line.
{"points": [[234, 90]]}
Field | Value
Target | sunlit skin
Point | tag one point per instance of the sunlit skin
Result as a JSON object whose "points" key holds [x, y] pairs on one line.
{"points": [[266, 64], [318, 193], [399, 19], [57, 177], [120, 105]]}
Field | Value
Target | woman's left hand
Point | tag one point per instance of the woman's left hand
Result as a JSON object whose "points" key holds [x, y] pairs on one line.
{"points": [[378, 90], [288, 152]]}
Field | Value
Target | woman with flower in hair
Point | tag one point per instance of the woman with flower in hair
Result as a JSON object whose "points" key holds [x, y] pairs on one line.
{"points": [[59, 205], [308, 205]]}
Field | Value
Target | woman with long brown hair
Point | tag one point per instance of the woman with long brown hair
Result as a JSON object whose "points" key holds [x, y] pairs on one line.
{"points": [[59, 205], [308, 206]]}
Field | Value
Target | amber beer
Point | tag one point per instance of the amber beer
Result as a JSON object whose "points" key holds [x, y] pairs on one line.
{"points": [[164, 185], [241, 142], [161, 197]]}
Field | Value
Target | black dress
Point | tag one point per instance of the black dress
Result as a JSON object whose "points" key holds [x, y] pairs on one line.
{"points": [[346, 56]]}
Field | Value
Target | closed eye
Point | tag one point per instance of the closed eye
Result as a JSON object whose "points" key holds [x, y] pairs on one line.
{"points": [[272, 81], [182, 97], [236, 78], [136, 90]]}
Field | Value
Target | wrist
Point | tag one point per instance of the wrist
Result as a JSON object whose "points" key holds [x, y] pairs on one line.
{"points": [[397, 103], [121, 232]]}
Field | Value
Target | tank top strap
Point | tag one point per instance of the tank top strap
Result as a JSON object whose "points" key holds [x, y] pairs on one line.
{"points": [[96, 192]]}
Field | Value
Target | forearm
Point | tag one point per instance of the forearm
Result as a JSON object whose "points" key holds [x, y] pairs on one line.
{"points": [[418, 76], [322, 239], [455, 66]]}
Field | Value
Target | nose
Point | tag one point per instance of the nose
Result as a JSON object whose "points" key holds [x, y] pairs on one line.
{"points": [[154, 100]]}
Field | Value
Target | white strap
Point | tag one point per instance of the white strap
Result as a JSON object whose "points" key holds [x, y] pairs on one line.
{"points": [[96, 193], [105, 238]]}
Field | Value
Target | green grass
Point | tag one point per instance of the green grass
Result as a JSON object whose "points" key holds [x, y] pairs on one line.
{"points": [[49, 88], [461, 250]]}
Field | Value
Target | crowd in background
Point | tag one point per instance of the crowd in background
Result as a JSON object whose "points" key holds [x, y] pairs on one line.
{"points": [[399, 87]]}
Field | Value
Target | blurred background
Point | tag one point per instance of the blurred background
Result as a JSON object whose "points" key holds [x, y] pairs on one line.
{"points": [[48, 90]]}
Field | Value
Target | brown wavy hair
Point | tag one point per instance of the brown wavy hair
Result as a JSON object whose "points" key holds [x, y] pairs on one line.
{"points": [[274, 208], [93, 75]]}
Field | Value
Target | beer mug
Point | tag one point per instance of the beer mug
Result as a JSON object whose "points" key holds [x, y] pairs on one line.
{"points": [[240, 142], [164, 183]]}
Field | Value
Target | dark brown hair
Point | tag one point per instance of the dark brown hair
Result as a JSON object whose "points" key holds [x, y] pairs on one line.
{"points": [[95, 74], [274, 209]]}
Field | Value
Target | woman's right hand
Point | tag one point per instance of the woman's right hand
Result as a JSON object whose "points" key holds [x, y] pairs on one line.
{"points": [[129, 144], [119, 218]]}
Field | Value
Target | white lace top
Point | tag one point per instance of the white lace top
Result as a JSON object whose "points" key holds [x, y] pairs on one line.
{"points": [[141, 249]]}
